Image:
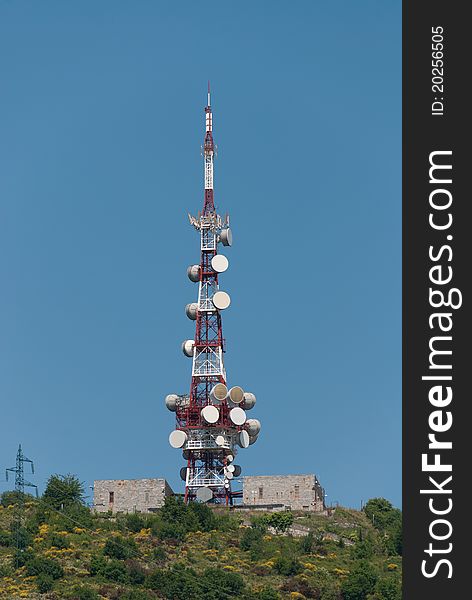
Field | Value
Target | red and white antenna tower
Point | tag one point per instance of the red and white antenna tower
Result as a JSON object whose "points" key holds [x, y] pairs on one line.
{"points": [[211, 421]]}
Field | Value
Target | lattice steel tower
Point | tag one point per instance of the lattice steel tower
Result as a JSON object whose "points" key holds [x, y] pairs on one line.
{"points": [[18, 515], [211, 422]]}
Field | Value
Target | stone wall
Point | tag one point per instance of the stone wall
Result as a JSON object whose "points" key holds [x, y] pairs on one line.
{"points": [[296, 492], [130, 495]]}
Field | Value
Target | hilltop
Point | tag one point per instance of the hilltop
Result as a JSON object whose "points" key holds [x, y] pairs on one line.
{"points": [[196, 552]]}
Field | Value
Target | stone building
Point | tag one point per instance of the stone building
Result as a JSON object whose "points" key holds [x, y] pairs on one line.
{"points": [[295, 492], [130, 495]]}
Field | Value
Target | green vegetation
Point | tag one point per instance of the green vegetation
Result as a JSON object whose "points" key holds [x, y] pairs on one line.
{"points": [[196, 552]]}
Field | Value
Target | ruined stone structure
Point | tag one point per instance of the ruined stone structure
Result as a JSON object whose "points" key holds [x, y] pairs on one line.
{"points": [[295, 492], [130, 495]]}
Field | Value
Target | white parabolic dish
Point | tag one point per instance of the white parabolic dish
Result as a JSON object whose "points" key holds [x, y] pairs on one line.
{"points": [[210, 413], [221, 300], [236, 394], [237, 416], [187, 347], [171, 402], [253, 426], [177, 438], [243, 439], [204, 494], [219, 263], [218, 392], [226, 237], [249, 400]]}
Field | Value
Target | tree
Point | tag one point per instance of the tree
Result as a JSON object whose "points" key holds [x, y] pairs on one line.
{"points": [[382, 514], [63, 491], [388, 521]]}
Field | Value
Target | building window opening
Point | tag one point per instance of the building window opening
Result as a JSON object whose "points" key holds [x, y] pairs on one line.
{"points": [[146, 497], [111, 497], [297, 492], [261, 493]]}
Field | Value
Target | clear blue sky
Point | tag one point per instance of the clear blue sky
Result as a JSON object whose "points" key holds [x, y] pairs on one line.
{"points": [[101, 122]]}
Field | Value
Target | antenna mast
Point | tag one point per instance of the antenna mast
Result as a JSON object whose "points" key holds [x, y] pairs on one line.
{"points": [[211, 421]]}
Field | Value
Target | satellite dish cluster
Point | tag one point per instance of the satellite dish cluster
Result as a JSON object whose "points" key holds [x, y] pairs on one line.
{"points": [[222, 423], [224, 427]]}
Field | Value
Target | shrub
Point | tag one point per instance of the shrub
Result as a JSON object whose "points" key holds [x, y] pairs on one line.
{"points": [[364, 548], [268, 594], [6, 570], [287, 565], [259, 522], [45, 583], [250, 537], [159, 554], [97, 564], [280, 521], [360, 582], [306, 543], [120, 548], [135, 522], [299, 585], [136, 573], [69, 518], [58, 541], [21, 557], [388, 588], [218, 584], [44, 566], [12, 497], [5, 538], [135, 595], [19, 535], [84, 593], [205, 516], [115, 570], [178, 583], [167, 530], [175, 512]]}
